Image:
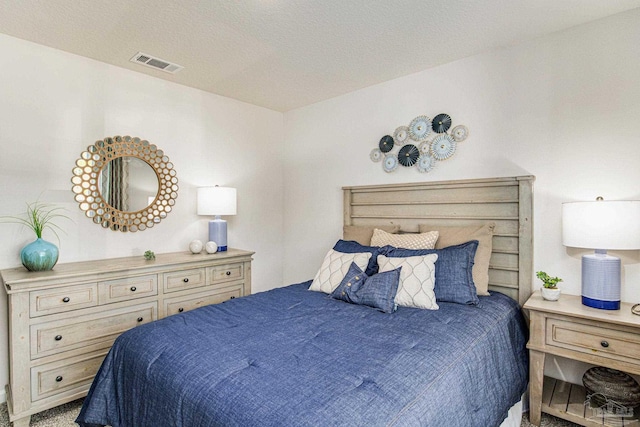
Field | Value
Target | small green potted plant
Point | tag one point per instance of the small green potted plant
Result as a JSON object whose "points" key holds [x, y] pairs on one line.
{"points": [[39, 255], [550, 290]]}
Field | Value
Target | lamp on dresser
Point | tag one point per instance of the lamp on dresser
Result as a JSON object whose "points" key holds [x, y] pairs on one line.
{"points": [[601, 225], [217, 201]]}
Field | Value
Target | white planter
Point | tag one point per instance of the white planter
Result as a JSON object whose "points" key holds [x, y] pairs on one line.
{"points": [[550, 294]]}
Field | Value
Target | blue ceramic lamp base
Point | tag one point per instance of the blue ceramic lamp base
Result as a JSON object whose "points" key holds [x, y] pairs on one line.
{"points": [[601, 281], [218, 233]]}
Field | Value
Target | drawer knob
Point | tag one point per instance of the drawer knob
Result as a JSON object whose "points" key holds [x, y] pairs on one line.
{"points": [[66, 299], [180, 310], [58, 337], [133, 289], [233, 297], [604, 343], [140, 319], [58, 378], [185, 280], [228, 273]]}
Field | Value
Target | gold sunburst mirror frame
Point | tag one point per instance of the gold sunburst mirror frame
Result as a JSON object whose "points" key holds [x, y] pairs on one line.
{"points": [[88, 183]]}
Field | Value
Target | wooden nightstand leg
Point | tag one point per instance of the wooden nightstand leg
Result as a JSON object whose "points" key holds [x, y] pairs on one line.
{"points": [[536, 378]]}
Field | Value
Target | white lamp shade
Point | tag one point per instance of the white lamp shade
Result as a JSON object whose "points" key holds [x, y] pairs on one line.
{"points": [[601, 224], [216, 201]]}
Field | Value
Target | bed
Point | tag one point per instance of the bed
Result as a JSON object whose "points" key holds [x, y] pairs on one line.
{"points": [[294, 357]]}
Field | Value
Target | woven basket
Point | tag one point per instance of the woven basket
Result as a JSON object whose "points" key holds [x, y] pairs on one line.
{"points": [[604, 383]]}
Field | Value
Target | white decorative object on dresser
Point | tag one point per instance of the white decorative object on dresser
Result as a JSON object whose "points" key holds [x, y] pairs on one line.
{"points": [[62, 322]]}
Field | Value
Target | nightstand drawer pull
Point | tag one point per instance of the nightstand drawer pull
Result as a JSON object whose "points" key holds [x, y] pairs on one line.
{"points": [[140, 319], [58, 378], [66, 299], [604, 343], [133, 289], [185, 280], [233, 297], [58, 337], [228, 273], [180, 310]]}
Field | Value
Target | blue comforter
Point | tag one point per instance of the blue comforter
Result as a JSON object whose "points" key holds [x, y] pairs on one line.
{"points": [[292, 357]]}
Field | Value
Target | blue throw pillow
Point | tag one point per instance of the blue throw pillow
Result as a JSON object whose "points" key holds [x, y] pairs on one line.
{"points": [[454, 276], [377, 291], [346, 290], [350, 247]]}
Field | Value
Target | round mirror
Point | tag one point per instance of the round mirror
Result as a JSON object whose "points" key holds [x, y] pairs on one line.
{"points": [[125, 183]]}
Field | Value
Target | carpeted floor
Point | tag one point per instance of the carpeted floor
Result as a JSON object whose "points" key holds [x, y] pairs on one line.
{"points": [[64, 416]]}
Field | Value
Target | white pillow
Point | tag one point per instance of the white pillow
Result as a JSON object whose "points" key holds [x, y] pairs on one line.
{"points": [[334, 267], [406, 241], [417, 279]]}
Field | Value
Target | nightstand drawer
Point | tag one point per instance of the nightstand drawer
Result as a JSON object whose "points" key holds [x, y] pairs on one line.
{"points": [[226, 273], [58, 377], [98, 329], [59, 300], [186, 279], [593, 339], [182, 304], [127, 288]]}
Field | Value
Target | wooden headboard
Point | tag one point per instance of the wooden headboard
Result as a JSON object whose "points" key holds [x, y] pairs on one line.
{"points": [[506, 201]]}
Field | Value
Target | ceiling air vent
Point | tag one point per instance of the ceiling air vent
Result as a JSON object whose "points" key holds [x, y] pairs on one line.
{"points": [[157, 63]]}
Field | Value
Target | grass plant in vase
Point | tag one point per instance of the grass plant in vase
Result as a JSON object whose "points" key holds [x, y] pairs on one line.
{"points": [[39, 255], [550, 290]]}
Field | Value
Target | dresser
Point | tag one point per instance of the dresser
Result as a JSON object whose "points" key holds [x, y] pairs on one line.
{"points": [[566, 328], [63, 322]]}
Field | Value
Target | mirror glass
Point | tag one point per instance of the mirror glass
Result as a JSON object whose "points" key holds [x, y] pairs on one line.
{"points": [[125, 183], [128, 184]]}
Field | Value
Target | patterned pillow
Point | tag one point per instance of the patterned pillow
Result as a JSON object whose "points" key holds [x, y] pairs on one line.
{"points": [[406, 241], [417, 279], [377, 291], [334, 267]]}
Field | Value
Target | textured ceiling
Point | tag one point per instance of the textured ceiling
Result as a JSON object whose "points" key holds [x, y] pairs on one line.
{"points": [[284, 54]]}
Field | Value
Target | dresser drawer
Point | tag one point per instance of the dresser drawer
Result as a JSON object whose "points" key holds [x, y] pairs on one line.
{"points": [[67, 374], [190, 302], [59, 300], [128, 288], [185, 279], [593, 339], [226, 273], [99, 329]]}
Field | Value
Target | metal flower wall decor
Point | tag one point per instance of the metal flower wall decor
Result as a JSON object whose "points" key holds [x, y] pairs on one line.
{"points": [[421, 144]]}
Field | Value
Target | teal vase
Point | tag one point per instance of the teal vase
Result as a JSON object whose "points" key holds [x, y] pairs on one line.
{"points": [[39, 255]]}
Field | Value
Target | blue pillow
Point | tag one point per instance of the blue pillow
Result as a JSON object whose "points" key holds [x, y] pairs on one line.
{"points": [[454, 276], [377, 291], [351, 247]]}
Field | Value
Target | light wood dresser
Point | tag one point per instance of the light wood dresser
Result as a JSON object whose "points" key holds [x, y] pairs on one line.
{"points": [[566, 328], [63, 322]]}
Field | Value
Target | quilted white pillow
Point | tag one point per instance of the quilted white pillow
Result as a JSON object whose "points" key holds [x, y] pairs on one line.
{"points": [[334, 267], [406, 241], [417, 279]]}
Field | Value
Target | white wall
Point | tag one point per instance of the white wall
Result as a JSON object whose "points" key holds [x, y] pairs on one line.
{"points": [[564, 108], [54, 104]]}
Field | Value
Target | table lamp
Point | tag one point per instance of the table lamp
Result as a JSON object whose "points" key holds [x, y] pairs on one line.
{"points": [[217, 201], [601, 225]]}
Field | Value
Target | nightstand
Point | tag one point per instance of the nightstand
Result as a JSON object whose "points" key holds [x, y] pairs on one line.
{"points": [[566, 328]]}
